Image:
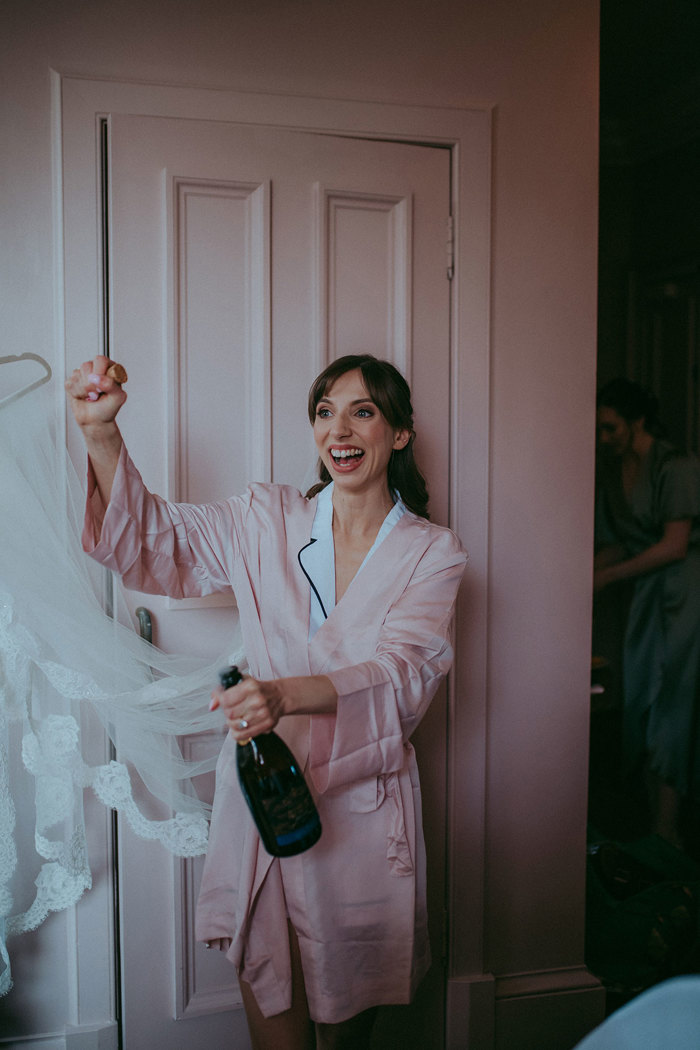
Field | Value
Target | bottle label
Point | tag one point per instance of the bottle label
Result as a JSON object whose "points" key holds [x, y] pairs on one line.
{"points": [[299, 833], [291, 813], [278, 796]]}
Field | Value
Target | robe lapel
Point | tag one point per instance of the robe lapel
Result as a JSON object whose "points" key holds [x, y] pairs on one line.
{"points": [[352, 625], [274, 599], [290, 606]]}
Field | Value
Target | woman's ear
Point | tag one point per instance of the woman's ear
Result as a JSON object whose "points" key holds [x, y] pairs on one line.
{"points": [[401, 439]]}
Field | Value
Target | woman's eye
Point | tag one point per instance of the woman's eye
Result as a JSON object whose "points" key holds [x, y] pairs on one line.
{"points": [[323, 413], [364, 413]]}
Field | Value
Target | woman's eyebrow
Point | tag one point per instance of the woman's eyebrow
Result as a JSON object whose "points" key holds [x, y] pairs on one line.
{"points": [[357, 401]]}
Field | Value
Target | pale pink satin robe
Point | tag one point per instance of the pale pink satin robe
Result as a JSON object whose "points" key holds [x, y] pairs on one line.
{"points": [[356, 898]]}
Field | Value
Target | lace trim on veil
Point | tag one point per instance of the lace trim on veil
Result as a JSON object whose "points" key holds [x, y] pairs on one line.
{"points": [[62, 659]]}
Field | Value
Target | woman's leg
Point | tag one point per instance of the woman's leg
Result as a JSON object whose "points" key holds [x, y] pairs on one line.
{"points": [[353, 1034], [291, 1030]]}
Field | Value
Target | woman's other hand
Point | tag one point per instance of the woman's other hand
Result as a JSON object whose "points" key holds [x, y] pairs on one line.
{"points": [[253, 706], [250, 707]]}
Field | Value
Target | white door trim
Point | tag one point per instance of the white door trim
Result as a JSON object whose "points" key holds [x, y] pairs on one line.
{"points": [[79, 103]]}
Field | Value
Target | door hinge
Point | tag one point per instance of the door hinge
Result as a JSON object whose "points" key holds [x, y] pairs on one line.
{"points": [[450, 248]]}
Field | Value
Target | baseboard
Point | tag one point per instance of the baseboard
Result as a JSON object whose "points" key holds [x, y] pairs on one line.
{"points": [[92, 1037], [546, 1010], [543, 1010], [51, 1041], [469, 1022], [76, 1037]]}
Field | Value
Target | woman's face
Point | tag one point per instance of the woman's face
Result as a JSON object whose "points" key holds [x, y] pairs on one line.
{"points": [[352, 436], [615, 434]]}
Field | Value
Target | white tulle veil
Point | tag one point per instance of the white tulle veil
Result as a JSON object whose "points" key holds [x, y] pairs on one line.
{"points": [[62, 658]]}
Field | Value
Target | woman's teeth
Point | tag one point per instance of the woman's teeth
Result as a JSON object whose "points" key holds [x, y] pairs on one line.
{"points": [[345, 453]]}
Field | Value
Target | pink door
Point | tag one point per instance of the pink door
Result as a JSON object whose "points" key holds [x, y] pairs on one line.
{"points": [[241, 259]]}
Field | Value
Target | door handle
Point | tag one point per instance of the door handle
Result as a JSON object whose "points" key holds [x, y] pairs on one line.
{"points": [[145, 623]]}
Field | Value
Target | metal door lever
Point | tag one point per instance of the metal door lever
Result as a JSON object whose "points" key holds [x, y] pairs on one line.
{"points": [[145, 623]]}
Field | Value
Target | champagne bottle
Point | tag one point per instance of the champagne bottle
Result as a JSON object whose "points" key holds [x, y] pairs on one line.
{"points": [[275, 790]]}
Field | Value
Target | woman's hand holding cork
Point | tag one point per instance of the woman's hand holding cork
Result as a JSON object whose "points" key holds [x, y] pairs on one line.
{"points": [[95, 391], [96, 396]]}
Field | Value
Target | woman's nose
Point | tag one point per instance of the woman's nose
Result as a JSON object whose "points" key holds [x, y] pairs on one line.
{"points": [[341, 425]]}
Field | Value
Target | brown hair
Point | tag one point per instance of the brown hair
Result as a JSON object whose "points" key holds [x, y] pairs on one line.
{"points": [[392, 395], [632, 402]]}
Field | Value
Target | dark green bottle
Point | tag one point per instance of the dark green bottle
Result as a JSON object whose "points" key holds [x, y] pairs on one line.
{"points": [[275, 790]]}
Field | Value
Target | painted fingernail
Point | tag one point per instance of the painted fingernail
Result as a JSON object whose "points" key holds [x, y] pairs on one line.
{"points": [[92, 396], [94, 378], [213, 703]]}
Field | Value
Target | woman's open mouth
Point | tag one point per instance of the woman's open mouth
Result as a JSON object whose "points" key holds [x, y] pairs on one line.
{"points": [[346, 459]]}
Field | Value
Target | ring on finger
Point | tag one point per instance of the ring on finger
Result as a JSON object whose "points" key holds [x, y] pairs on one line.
{"points": [[242, 723]]}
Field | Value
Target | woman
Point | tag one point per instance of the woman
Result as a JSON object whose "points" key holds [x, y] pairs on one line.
{"points": [[648, 531], [344, 660]]}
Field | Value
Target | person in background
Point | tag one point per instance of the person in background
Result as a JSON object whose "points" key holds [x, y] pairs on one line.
{"points": [[648, 532]]}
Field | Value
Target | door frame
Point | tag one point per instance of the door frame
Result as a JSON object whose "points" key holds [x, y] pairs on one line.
{"points": [[79, 105]]}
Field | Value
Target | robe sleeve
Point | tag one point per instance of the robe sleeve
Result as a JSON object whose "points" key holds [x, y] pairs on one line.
{"points": [[382, 700], [176, 549]]}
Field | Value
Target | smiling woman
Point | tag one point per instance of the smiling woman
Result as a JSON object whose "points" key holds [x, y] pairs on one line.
{"points": [[378, 393], [344, 663], [353, 437]]}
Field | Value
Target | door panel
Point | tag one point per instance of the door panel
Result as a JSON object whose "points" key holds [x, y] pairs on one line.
{"points": [[242, 260]]}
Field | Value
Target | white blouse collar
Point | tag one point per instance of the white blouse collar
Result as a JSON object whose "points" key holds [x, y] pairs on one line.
{"points": [[318, 558]]}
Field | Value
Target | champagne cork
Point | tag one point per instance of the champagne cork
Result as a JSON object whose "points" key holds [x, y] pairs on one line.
{"points": [[117, 373]]}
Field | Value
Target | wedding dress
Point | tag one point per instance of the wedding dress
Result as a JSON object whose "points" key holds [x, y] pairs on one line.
{"points": [[62, 656]]}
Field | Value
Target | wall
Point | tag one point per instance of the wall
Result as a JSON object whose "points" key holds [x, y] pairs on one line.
{"points": [[536, 63]]}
